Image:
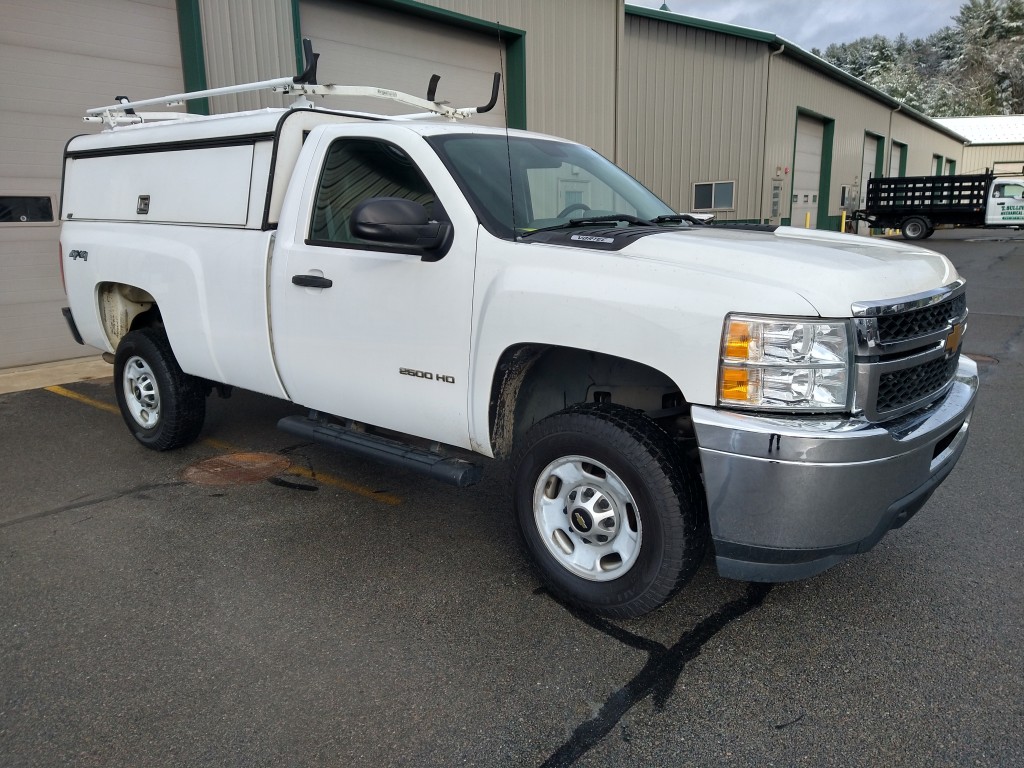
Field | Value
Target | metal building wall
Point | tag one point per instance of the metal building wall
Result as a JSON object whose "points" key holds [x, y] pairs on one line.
{"points": [[692, 110], [924, 142], [246, 42], [571, 54], [795, 87], [571, 62], [978, 157]]}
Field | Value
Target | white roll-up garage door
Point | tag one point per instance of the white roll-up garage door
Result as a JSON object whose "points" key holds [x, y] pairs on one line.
{"points": [[58, 58], [810, 135], [362, 45]]}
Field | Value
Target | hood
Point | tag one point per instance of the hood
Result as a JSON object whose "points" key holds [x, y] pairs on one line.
{"points": [[829, 270]]}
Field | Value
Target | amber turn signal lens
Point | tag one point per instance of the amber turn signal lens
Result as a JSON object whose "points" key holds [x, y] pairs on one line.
{"points": [[737, 343], [735, 384]]}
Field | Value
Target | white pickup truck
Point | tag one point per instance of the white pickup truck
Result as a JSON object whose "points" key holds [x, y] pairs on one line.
{"points": [[436, 292]]}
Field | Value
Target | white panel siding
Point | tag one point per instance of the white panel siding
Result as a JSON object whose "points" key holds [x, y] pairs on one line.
{"points": [[58, 58]]}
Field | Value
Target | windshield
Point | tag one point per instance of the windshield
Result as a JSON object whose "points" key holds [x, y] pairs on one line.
{"points": [[551, 182]]}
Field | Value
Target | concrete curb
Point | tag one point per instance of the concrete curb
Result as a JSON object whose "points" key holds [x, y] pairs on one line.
{"points": [[48, 374]]}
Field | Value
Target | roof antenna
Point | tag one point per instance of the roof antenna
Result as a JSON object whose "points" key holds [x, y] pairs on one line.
{"points": [[308, 75]]}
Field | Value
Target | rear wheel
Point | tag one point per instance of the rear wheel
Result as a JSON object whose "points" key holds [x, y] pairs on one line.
{"points": [[914, 228], [163, 407], [612, 519]]}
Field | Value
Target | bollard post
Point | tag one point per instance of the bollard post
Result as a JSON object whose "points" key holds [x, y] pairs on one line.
{"points": [[842, 222], [807, 220]]}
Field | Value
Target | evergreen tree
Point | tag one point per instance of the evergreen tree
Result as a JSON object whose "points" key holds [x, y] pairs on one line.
{"points": [[973, 67]]}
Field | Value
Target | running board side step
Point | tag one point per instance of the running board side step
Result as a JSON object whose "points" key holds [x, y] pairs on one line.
{"points": [[447, 469]]}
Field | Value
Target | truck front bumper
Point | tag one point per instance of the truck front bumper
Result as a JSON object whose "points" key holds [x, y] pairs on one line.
{"points": [[789, 497]]}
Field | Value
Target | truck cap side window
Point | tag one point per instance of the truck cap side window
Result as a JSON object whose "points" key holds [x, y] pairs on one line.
{"points": [[356, 170]]}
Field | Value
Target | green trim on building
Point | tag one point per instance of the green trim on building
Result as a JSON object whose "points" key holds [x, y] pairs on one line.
{"points": [[902, 148], [193, 64], [951, 167], [937, 162], [879, 156], [825, 184], [300, 58], [514, 40], [705, 24]]}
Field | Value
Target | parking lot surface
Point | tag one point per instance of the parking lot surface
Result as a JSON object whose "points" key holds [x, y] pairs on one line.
{"points": [[163, 609]]}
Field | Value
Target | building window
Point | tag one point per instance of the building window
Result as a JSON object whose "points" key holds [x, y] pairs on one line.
{"points": [[714, 196], [25, 209]]}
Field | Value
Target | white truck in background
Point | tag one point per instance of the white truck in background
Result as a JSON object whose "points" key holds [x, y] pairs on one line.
{"points": [[436, 296], [917, 205]]}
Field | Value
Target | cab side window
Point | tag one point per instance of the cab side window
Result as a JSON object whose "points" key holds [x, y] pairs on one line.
{"points": [[356, 170]]}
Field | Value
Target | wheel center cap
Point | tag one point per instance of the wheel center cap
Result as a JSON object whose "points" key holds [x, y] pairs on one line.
{"points": [[582, 520]]}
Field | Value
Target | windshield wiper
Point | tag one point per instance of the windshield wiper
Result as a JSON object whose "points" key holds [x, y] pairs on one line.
{"points": [[586, 221]]}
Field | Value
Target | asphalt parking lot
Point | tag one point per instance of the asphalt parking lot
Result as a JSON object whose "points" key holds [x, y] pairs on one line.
{"points": [[156, 610]]}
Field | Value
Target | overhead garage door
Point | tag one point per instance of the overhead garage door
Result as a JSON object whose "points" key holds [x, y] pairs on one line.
{"points": [[362, 45], [810, 134], [57, 58]]}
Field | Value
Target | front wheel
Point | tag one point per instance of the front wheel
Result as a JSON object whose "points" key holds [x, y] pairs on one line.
{"points": [[610, 516], [163, 407]]}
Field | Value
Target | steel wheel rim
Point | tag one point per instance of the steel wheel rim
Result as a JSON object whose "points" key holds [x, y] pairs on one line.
{"points": [[141, 394], [587, 518], [915, 229]]}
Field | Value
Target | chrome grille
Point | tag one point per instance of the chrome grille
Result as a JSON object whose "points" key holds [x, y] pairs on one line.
{"points": [[907, 350], [901, 388], [920, 322]]}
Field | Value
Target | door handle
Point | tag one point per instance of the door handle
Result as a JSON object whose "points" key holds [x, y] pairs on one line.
{"points": [[312, 281]]}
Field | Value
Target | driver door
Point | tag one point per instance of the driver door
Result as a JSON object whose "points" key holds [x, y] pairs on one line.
{"points": [[363, 330]]}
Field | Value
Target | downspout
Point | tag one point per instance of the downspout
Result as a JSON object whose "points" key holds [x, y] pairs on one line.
{"points": [[764, 135]]}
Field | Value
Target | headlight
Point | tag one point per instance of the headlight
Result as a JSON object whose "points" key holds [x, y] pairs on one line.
{"points": [[784, 363]]}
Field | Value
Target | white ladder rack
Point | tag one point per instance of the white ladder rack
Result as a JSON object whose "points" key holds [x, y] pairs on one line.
{"points": [[303, 85]]}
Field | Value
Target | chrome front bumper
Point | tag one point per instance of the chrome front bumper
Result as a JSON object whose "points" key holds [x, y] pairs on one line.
{"points": [[789, 497]]}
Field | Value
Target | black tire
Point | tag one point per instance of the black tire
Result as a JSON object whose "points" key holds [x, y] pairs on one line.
{"points": [[163, 407], [660, 521], [929, 233], [914, 228]]}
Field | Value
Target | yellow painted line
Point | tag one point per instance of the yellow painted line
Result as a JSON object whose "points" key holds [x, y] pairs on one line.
{"points": [[220, 445], [337, 482], [84, 399]]}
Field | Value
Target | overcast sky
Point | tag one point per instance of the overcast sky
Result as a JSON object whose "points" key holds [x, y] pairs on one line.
{"points": [[816, 23]]}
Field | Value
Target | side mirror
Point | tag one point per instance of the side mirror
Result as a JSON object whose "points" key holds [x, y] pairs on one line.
{"points": [[400, 222]]}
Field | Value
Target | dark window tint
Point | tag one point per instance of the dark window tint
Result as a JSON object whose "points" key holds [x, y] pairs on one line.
{"points": [[25, 209], [702, 196], [356, 170]]}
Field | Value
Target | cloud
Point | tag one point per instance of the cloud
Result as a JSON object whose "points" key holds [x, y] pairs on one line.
{"points": [[817, 23]]}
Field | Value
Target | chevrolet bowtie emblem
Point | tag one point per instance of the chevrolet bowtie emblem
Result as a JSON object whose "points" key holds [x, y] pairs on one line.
{"points": [[955, 335]]}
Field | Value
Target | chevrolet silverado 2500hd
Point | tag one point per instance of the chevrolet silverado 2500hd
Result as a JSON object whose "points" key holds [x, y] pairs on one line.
{"points": [[433, 291]]}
